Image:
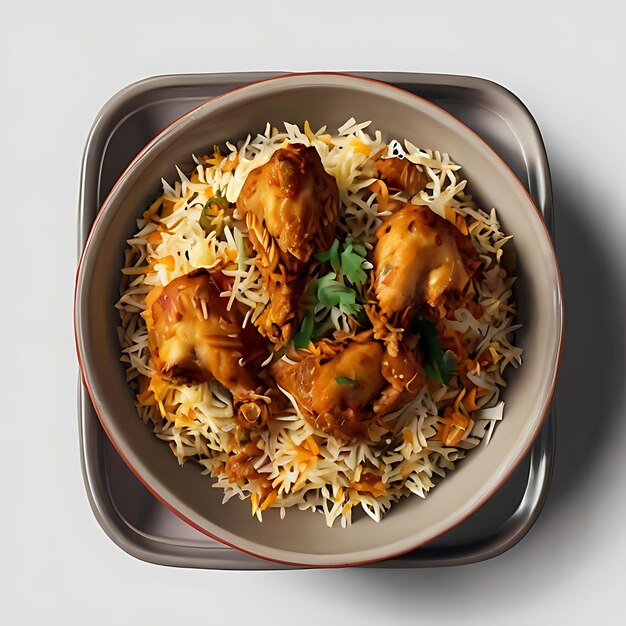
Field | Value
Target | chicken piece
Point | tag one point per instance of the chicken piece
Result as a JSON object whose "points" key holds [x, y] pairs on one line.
{"points": [[193, 338], [295, 199], [336, 395], [343, 394], [290, 205], [402, 174], [419, 257], [405, 374]]}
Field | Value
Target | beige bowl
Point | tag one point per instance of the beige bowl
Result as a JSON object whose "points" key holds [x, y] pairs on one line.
{"points": [[302, 538]]}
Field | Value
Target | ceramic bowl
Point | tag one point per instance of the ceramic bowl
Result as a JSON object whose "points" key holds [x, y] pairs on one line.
{"points": [[302, 538]]}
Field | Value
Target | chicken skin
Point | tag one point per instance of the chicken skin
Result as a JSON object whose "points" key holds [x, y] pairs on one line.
{"points": [[405, 374], [290, 205], [193, 338], [341, 395], [418, 258], [402, 174]]}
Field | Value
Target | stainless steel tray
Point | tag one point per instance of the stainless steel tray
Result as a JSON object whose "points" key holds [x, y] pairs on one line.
{"points": [[127, 512]]}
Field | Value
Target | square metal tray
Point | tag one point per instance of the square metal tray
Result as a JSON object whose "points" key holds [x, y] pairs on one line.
{"points": [[127, 512]]}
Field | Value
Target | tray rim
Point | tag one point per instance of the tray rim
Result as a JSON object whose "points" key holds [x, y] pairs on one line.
{"points": [[105, 125]]}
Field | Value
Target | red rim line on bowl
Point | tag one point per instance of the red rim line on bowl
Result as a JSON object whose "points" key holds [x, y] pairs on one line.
{"points": [[504, 476]]}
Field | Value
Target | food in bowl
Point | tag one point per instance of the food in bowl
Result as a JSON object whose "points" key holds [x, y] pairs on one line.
{"points": [[320, 319]]}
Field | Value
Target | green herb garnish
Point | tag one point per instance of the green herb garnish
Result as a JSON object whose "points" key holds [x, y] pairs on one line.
{"points": [[303, 338], [347, 259], [218, 200], [342, 380], [352, 262], [207, 218], [332, 292], [438, 365], [331, 255], [342, 288]]}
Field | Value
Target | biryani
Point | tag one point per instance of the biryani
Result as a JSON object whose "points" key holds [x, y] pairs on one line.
{"points": [[320, 319]]}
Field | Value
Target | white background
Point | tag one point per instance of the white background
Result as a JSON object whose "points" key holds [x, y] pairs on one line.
{"points": [[62, 60]]}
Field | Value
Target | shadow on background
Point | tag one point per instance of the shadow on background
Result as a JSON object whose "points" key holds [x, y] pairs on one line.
{"points": [[590, 391]]}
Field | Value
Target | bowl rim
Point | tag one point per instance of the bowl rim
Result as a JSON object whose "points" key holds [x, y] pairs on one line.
{"points": [[558, 310]]}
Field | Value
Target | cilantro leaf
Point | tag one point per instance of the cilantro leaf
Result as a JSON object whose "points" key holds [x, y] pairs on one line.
{"points": [[217, 200], [341, 288], [331, 292], [438, 365], [352, 264], [360, 249], [347, 259], [208, 214], [331, 255], [443, 370], [322, 328], [350, 309], [302, 339], [342, 380]]}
